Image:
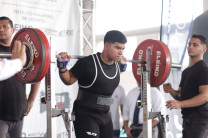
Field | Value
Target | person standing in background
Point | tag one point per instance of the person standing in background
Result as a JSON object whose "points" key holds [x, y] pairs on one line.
{"points": [[119, 99], [13, 100], [133, 115], [192, 93]]}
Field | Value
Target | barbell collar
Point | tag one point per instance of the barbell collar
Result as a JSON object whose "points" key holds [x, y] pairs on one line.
{"points": [[176, 65]]}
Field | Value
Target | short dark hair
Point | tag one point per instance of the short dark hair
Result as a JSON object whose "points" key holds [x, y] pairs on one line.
{"points": [[201, 37], [7, 18], [115, 36]]}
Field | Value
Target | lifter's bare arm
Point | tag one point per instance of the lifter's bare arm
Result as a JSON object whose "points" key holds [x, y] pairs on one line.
{"points": [[67, 77], [176, 94]]}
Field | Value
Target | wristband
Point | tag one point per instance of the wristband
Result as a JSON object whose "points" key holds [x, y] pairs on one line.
{"points": [[62, 64], [62, 71], [123, 67]]}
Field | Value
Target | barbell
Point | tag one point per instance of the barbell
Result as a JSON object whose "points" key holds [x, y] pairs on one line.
{"points": [[39, 58]]}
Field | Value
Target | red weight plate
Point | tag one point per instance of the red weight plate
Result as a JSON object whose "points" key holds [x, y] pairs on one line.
{"points": [[32, 38], [45, 45], [160, 61], [168, 62]]}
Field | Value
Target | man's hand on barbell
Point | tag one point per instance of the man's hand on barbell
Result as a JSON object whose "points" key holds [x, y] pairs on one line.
{"points": [[123, 60], [64, 56]]}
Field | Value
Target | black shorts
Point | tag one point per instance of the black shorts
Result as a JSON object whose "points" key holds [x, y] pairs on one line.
{"points": [[93, 127]]}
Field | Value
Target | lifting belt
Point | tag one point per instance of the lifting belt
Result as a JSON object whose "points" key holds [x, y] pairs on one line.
{"points": [[96, 99]]}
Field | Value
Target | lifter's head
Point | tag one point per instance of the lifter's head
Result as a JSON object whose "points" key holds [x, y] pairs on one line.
{"points": [[115, 36], [114, 44]]}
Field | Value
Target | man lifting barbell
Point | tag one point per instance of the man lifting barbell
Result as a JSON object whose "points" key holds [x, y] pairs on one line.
{"points": [[14, 104], [98, 75], [192, 94]]}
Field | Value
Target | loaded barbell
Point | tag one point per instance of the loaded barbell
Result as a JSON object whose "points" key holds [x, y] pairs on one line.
{"points": [[39, 58]]}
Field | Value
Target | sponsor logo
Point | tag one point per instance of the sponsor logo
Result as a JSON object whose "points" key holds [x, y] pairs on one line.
{"points": [[91, 134]]}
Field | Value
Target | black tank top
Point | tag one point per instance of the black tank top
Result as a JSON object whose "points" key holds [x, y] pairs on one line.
{"points": [[94, 76]]}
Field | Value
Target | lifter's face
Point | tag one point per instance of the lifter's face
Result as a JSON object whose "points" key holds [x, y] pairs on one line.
{"points": [[115, 50], [6, 31], [196, 48]]}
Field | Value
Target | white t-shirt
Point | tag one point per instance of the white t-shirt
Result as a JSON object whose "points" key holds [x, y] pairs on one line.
{"points": [[119, 99], [157, 99], [8, 68]]}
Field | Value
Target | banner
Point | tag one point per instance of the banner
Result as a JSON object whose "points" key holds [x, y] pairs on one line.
{"points": [[174, 125], [177, 19], [176, 26], [60, 21]]}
